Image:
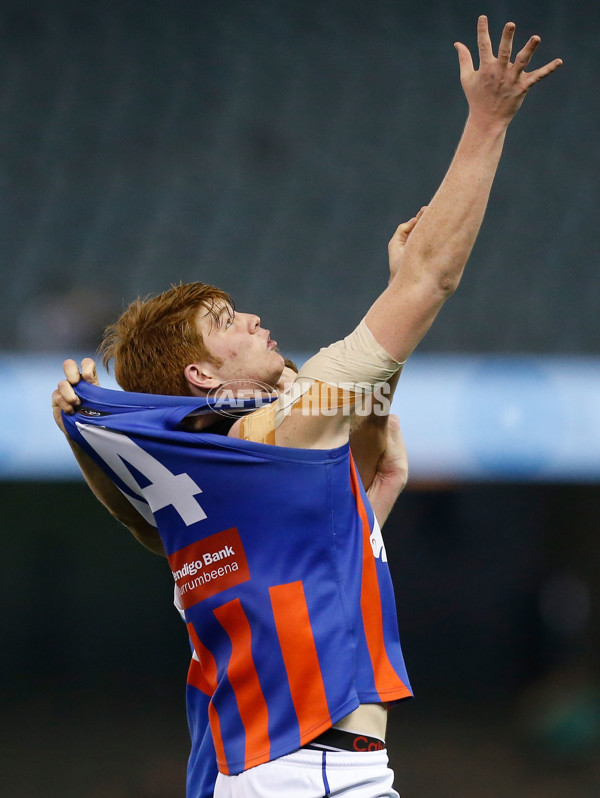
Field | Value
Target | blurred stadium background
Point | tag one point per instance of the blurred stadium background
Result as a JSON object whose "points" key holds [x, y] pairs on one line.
{"points": [[271, 147]]}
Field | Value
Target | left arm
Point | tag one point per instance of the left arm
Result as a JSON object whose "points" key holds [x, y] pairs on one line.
{"points": [[369, 433], [391, 474], [64, 399]]}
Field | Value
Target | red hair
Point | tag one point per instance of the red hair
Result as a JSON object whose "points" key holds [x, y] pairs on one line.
{"points": [[157, 337]]}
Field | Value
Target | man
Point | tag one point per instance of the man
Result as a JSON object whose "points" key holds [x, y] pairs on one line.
{"points": [[366, 437], [328, 597]]}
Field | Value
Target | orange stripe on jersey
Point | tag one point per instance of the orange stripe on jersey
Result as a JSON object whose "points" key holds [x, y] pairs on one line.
{"points": [[386, 679], [215, 728], [300, 658], [197, 678], [203, 675], [244, 681], [206, 662]]}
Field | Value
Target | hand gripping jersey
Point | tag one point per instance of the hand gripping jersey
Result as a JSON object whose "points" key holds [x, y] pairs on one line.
{"points": [[279, 565]]}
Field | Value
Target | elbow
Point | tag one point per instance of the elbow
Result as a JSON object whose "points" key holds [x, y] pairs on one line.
{"points": [[437, 276], [445, 278], [447, 283]]}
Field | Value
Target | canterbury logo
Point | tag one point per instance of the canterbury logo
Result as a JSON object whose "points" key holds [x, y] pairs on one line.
{"points": [[377, 542], [362, 743]]}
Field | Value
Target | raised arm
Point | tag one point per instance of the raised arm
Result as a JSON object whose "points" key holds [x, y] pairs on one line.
{"points": [[369, 435], [438, 249]]}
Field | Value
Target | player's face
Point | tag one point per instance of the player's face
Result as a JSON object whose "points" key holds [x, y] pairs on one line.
{"points": [[246, 349]]}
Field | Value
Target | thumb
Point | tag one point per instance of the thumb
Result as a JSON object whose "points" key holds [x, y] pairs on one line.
{"points": [[465, 61]]}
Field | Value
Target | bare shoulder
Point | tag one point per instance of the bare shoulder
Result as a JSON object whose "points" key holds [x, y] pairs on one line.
{"points": [[304, 416]]}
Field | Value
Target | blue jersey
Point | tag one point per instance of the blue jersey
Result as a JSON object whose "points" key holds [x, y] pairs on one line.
{"points": [[279, 565]]}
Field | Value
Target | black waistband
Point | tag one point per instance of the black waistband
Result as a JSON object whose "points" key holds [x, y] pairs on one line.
{"points": [[341, 740]]}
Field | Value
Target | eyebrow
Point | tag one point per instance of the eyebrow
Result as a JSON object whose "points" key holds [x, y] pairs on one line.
{"points": [[215, 311], [218, 313], [226, 309]]}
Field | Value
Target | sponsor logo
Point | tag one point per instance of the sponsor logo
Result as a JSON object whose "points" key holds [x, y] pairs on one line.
{"points": [[87, 411], [361, 743], [377, 543], [209, 566]]}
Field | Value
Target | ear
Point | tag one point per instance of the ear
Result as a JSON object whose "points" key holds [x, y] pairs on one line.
{"points": [[201, 376]]}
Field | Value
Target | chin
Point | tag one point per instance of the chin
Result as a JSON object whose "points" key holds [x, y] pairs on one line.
{"points": [[276, 372]]}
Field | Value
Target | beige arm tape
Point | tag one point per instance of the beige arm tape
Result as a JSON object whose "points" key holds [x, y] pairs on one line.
{"points": [[358, 362], [354, 365]]}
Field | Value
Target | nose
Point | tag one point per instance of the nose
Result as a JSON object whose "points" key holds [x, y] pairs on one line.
{"points": [[251, 320]]}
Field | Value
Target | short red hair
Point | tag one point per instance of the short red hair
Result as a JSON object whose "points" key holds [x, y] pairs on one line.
{"points": [[157, 337]]}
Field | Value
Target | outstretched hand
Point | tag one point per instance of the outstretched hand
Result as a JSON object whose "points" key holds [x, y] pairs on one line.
{"points": [[64, 398], [497, 89]]}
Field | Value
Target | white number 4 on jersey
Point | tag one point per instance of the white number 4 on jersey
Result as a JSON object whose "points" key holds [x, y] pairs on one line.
{"points": [[165, 488]]}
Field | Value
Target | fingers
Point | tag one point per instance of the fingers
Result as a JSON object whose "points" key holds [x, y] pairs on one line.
{"points": [[408, 227], [542, 72], [525, 55], [56, 410], [484, 43], [496, 89], [65, 398], [71, 370], [411, 223], [88, 371], [394, 455], [405, 229], [393, 425], [506, 43], [486, 54], [523, 59]]}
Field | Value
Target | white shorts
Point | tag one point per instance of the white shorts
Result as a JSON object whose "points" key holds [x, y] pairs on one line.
{"points": [[313, 774]]}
